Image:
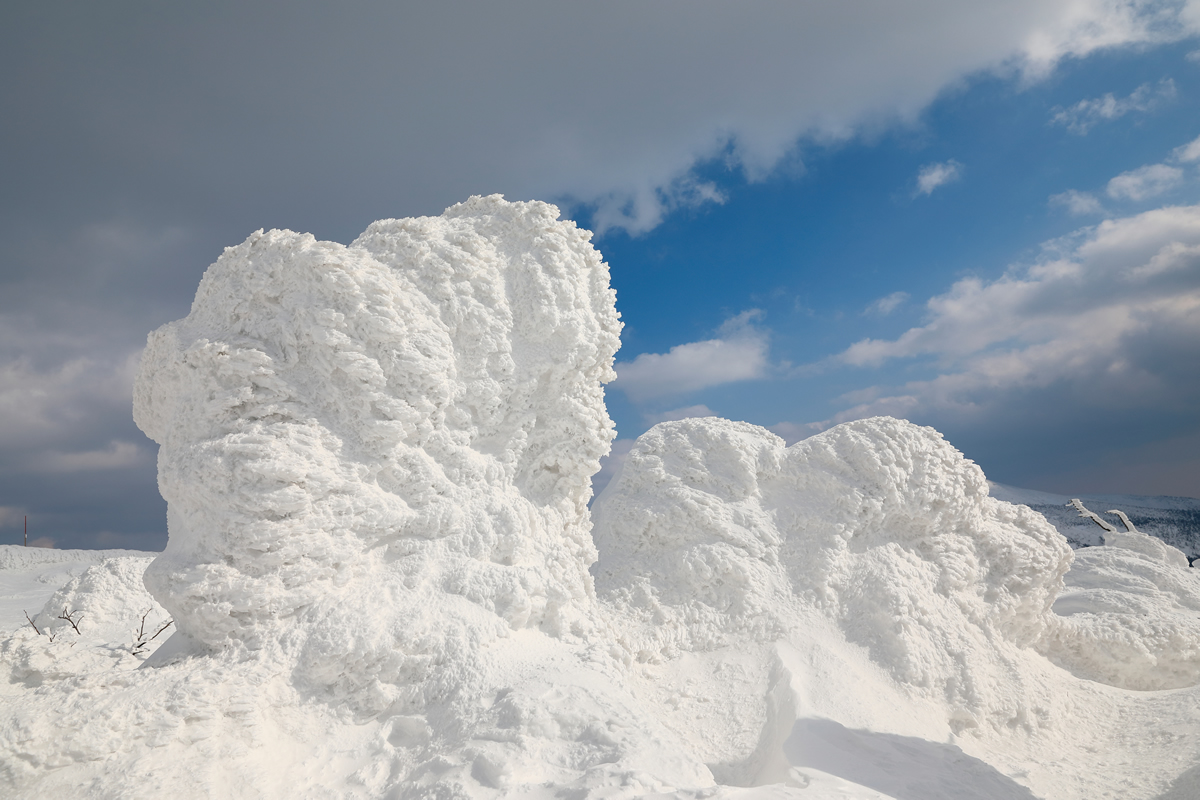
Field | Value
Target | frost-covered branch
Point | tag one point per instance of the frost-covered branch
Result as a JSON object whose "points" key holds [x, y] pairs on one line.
{"points": [[1083, 512], [1124, 518]]}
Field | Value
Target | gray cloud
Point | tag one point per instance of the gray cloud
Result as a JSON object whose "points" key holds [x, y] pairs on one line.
{"points": [[274, 107], [1106, 328], [1087, 114]]}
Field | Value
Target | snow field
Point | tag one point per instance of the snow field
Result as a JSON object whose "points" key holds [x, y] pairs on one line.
{"points": [[383, 583]]}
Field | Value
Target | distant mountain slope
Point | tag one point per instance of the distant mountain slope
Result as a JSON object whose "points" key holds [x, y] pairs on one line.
{"points": [[1175, 520]]}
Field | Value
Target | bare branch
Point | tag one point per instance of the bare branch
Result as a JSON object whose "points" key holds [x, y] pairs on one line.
{"points": [[70, 617], [35, 627], [142, 642], [165, 625]]}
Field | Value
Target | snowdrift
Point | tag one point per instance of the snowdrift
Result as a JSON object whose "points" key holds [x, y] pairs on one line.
{"points": [[383, 583]]}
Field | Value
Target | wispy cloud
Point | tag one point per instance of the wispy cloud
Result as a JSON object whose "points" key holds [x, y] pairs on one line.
{"points": [[886, 305], [1188, 153], [1144, 182], [738, 354], [647, 208], [1137, 185], [1086, 114], [1077, 203], [933, 176]]}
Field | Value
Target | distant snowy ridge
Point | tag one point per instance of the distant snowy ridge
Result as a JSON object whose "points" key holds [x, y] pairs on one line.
{"points": [[384, 580], [15, 558], [1175, 520]]}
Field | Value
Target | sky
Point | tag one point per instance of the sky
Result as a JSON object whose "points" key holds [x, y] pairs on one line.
{"points": [[978, 216]]}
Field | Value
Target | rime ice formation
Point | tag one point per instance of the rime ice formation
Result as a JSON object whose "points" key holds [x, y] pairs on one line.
{"points": [[377, 462], [424, 403], [715, 527], [1129, 616]]}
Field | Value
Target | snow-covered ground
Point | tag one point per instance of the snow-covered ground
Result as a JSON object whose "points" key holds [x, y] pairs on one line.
{"points": [[383, 577], [29, 576]]}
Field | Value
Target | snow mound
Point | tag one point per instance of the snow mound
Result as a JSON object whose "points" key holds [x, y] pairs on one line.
{"points": [[101, 619], [715, 529], [1129, 616], [377, 463], [29, 577]]}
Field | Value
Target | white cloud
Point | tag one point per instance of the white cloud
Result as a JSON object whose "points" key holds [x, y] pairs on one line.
{"points": [[739, 354], [1144, 182], [1077, 203], [886, 305], [1137, 184], [1086, 114], [1189, 152], [1113, 311], [932, 176]]}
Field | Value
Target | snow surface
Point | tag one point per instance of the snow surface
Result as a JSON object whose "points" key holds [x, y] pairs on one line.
{"points": [[29, 576], [382, 580]]}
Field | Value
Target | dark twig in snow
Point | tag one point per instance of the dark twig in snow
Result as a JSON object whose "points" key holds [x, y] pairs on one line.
{"points": [[142, 642], [70, 617]]}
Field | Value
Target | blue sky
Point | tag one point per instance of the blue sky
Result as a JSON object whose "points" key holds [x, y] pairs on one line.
{"points": [[979, 216], [849, 246]]}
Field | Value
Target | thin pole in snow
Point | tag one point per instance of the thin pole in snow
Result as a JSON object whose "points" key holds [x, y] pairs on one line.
{"points": [[27, 530]]}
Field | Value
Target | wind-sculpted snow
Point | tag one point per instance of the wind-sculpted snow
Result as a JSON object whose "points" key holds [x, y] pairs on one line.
{"points": [[377, 461], [1130, 615], [715, 528]]}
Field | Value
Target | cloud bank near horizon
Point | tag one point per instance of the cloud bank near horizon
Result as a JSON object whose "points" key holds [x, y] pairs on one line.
{"points": [[1108, 320]]}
